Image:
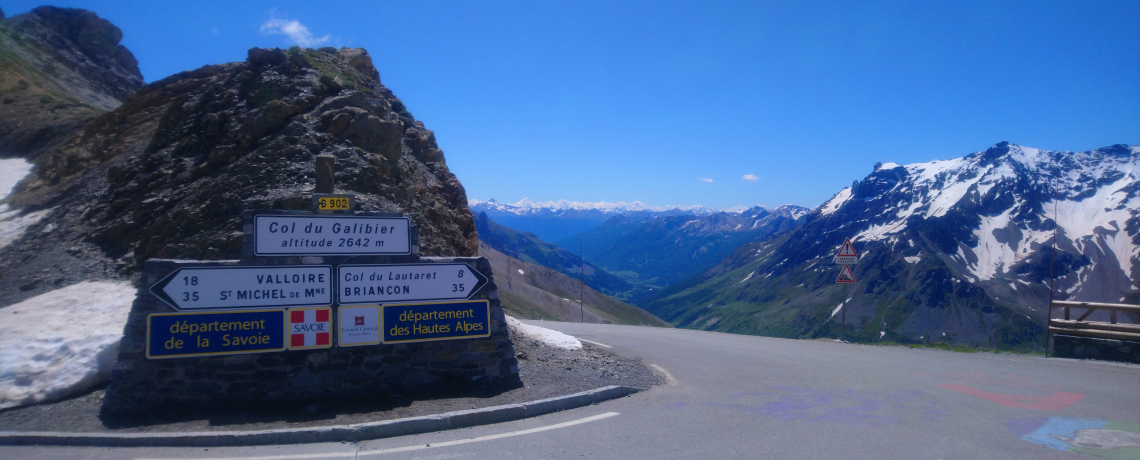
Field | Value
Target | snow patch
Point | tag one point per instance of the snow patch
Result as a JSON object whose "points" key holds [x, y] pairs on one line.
{"points": [[521, 272], [13, 225], [836, 202], [70, 348], [746, 278], [544, 335], [913, 259], [836, 310], [12, 171]]}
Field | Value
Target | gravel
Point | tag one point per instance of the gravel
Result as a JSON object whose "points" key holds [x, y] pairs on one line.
{"points": [[546, 372]]}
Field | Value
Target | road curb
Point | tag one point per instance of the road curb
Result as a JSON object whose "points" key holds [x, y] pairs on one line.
{"points": [[337, 433]]}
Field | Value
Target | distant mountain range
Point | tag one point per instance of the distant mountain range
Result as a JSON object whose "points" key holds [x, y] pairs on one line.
{"points": [[530, 248], [956, 250], [532, 291], [646, 249], [657, 250], [557, 220]]}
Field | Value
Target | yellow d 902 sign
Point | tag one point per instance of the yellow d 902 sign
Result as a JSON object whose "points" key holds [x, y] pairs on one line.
{"points": [[334, 203]]}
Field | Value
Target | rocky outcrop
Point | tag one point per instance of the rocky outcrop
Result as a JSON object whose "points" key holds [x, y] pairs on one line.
{"points": [[168, 173], [59, 68]]}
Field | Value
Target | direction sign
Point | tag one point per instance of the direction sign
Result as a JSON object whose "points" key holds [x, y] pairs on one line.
{"points": [[406, 282], [198, 288], [845, 275], [847, 254], [330, 235]]}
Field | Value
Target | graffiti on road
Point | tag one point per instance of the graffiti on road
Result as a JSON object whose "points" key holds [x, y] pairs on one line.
{"points": [[847, 407], [1105, 439]]}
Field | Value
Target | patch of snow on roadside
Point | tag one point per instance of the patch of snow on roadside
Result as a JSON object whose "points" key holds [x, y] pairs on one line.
{"points": [[61, 356], [544, 335], [13, 225], [12, 171]]}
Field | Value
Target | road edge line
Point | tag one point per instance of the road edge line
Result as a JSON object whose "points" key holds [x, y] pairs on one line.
{"points": [[336, 433]]}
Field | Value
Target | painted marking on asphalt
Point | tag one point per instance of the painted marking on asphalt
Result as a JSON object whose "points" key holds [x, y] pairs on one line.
{"points": [[491, 437], [669, 380], [409, 448], [600, 344]]}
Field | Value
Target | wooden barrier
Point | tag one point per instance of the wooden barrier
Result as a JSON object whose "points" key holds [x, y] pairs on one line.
{"points": [[1093, 329]]}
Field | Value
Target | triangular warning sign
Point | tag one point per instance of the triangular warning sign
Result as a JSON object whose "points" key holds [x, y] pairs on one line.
{"points": [[846, 276], [847, 250]]}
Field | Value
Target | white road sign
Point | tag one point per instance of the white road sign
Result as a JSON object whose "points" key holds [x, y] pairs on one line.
{"points": [[847, 254], [325, 235], [200, 288], [406, 282]]}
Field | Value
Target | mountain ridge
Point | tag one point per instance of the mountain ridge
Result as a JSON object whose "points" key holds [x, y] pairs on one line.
{"points": [[958, 250]]}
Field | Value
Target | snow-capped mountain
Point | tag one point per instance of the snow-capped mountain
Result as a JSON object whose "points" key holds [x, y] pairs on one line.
{"points": [[958, 249], [996, 209]]}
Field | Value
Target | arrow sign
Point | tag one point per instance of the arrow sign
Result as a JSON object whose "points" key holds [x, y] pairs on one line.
{"points": [[198, 288], [845, 276], [847, 254], [406, 282]]}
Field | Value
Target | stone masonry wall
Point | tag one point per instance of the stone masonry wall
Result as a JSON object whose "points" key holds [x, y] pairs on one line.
{"points": [[1065, 346], [140, 385]]}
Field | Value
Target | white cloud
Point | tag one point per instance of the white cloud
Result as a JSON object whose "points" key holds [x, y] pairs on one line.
{"points": [[298, 34], [750, 177], [706, 179]]}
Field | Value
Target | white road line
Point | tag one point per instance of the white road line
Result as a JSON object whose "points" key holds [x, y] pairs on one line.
{"points": [[407, 448], [491, 437], [669, 380], [600, 344], [267, 457]]}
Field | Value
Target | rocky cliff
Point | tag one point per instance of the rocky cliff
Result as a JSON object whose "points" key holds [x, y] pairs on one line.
{"points": [[168, 173], [59, 68]]}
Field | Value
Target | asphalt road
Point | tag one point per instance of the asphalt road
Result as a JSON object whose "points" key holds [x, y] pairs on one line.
{"points": [[733, 396]]}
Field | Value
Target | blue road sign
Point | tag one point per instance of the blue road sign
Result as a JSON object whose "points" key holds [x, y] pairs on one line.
{"points": [[184, 335], [421, 322]]}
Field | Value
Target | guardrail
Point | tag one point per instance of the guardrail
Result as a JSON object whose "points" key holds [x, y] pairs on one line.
{"points": [[1094, 329]]}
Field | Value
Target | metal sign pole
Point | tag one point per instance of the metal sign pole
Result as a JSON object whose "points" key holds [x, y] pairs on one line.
{"points": [[843, 314]]}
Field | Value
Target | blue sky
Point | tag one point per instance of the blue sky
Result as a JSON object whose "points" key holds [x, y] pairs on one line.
{"points": [[612, 101]]}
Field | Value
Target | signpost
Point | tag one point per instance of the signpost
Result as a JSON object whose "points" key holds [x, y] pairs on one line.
{"points": [[422, 322], [198, 288], [847, 254], [330, 235], [184, 335], [845, 275], [406, 282], [846, 257]]}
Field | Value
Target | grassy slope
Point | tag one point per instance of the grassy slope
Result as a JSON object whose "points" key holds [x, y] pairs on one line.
{"points": [[539, 292]]}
